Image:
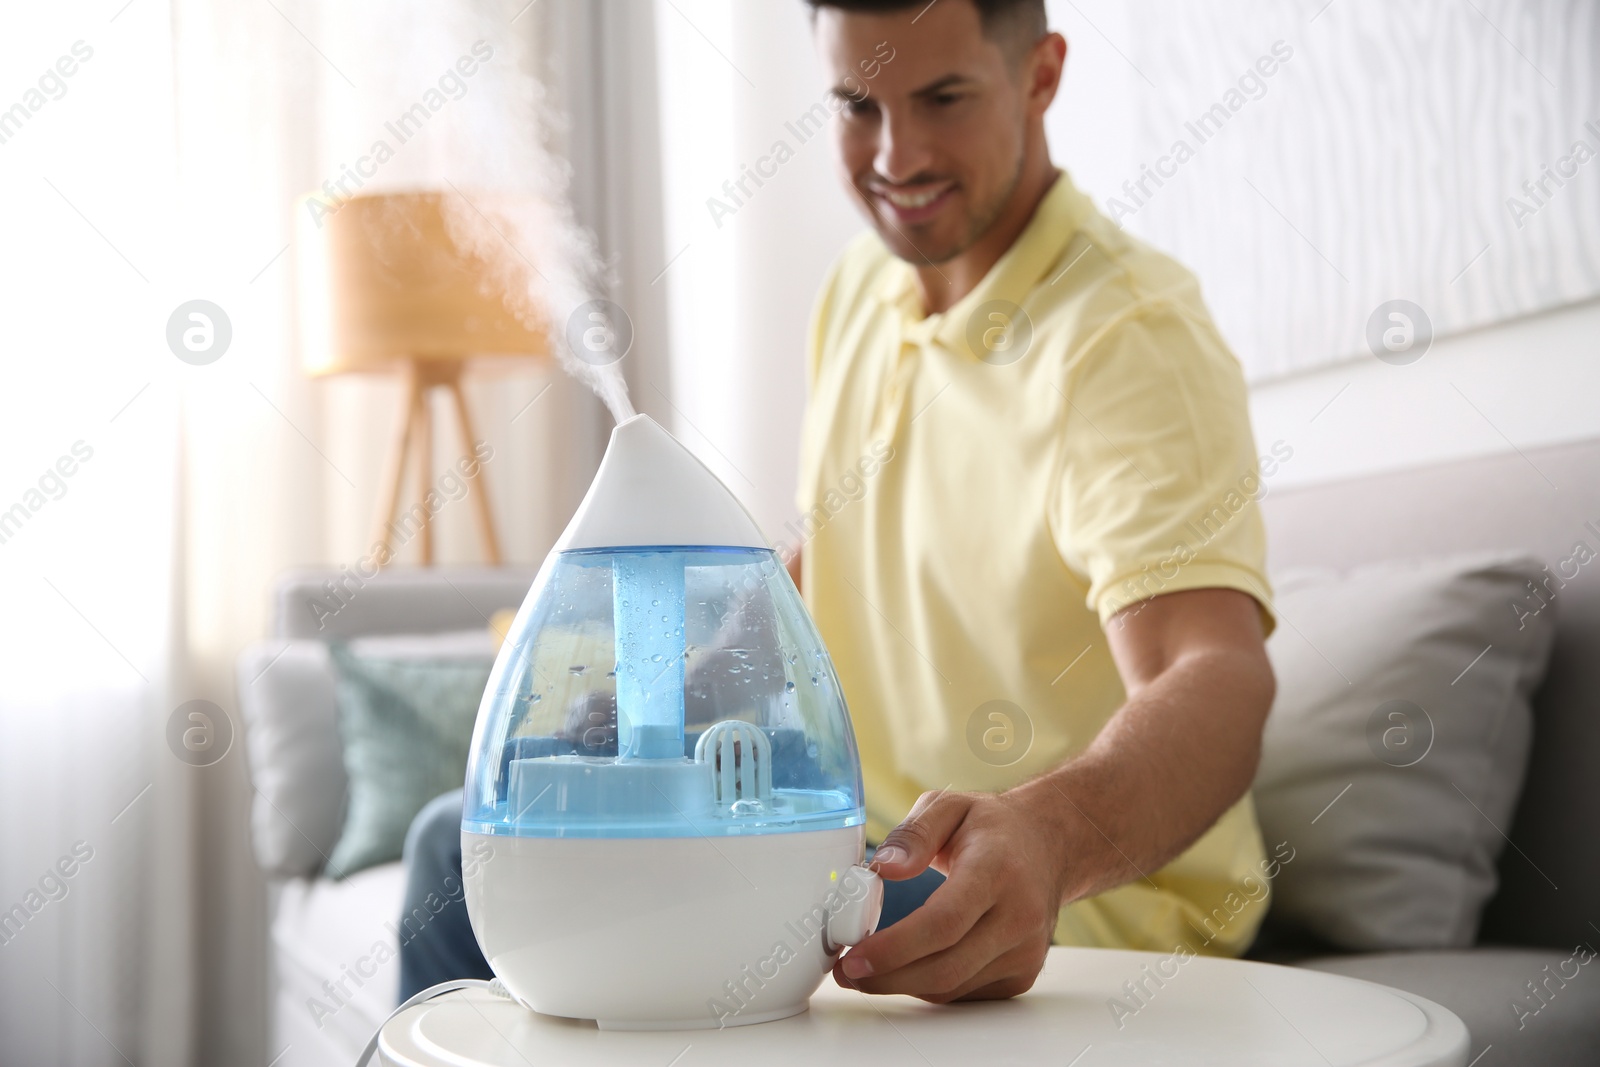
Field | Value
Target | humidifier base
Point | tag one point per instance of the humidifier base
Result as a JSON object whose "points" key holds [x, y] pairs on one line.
{"points": [[666, 933]]}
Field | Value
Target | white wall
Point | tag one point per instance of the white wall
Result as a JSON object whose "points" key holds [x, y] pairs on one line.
{"points": [[1516, 385], [740, 293]]}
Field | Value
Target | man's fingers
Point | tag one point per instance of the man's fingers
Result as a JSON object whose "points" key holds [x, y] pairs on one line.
{"points": [[948, 972], [1010, 975], [911, 846], [950, 911]]}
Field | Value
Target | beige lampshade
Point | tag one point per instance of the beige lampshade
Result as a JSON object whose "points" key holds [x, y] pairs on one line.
{"points": [[382, 282]]}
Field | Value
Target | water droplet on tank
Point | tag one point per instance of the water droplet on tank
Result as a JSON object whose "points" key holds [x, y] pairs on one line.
{"points": [[816, 679], [747, 806], [577, 668], [788, 687]]}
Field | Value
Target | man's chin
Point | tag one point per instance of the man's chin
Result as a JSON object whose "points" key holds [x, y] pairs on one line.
{"points": [[916, 248]]}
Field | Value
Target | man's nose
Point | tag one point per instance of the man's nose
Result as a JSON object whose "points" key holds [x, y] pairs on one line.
{"points": [[902, 150]]}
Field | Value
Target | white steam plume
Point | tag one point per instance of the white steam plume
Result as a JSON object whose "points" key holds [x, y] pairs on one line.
{"points": [[485, 143]]}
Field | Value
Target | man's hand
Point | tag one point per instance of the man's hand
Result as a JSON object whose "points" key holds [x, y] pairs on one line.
{"points": [[983, 934], [1163, 769]]}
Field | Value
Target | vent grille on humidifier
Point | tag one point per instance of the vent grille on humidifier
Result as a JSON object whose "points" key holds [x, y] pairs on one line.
{"points": [[738, 756]]}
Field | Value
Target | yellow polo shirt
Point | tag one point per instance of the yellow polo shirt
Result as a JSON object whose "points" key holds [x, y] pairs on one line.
{"points": [[981, 490]]}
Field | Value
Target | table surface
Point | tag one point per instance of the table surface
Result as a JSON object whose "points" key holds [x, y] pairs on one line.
{"points": [[1194, 1011]]}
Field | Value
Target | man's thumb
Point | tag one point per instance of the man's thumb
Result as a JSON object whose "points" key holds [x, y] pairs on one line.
{"points": [[911, 846]]}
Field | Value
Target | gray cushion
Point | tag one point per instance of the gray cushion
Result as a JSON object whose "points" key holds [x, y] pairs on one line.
{"points": [[1395, 751], [286, 697], [1544, 501], [406, 711], [1487, 988]]}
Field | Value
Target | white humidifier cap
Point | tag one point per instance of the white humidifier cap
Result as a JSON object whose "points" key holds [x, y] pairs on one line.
{"points": [[652, 491]]}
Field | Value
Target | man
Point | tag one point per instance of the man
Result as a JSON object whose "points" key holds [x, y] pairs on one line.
{"points": [[1047, 606], [1051, 532]]}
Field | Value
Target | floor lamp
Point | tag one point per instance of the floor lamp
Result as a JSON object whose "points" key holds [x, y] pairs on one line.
{"points": [[385, 289]]}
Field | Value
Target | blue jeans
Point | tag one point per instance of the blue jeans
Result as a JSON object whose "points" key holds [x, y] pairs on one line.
{"points": [[436, 939]]}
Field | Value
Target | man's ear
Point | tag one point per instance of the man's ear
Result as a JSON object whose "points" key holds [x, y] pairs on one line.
{"points": [[1045, 64]]}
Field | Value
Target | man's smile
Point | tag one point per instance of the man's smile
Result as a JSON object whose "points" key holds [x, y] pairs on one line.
{"points": [[911, 204]]}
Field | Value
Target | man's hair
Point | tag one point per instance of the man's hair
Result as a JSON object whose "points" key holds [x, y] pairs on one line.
{"points": [[1015, 25]]}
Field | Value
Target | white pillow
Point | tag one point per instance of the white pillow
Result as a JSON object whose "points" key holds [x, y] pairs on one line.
{"points": [[1395, 751], [287, 699]]}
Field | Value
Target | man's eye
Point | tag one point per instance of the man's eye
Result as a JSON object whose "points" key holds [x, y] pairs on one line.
{"points": [[858, 105], [945, 99]]}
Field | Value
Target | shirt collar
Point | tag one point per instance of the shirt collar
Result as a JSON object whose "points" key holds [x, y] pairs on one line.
{"points": [[1059, 216]]}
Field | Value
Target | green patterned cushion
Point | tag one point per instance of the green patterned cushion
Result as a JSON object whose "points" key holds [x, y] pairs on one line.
{"points": [[406, 722]]}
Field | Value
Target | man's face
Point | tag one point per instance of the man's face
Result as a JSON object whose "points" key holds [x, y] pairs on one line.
{"points": [[931, 142]]}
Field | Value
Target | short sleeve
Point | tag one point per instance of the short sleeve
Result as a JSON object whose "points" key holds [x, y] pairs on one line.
{"points": [[1159, 478]]}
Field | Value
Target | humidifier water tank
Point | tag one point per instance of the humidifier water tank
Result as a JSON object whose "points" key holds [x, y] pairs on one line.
{"points": [[663, 821]]}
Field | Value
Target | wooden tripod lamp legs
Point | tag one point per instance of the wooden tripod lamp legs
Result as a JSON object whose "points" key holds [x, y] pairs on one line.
{"points": [[479, 493], [394, 467], [417, 418], [423, 468]]}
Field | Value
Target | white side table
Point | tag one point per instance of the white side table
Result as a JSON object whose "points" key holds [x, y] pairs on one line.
{"points": [[1198, 1011]]}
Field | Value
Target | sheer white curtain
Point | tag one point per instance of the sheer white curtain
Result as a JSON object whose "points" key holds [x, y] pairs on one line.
{"points": [[146, 503], [88, 414]]}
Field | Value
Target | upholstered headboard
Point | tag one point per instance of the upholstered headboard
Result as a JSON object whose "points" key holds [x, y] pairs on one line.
{"points": [[325, 605], [1547, 503]]}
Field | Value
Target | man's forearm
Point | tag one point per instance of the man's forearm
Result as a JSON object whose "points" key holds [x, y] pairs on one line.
{"points": [[1170, 762]]}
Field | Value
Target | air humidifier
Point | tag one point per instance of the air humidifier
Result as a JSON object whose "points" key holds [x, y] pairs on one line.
{"points": [[663, 823]]}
